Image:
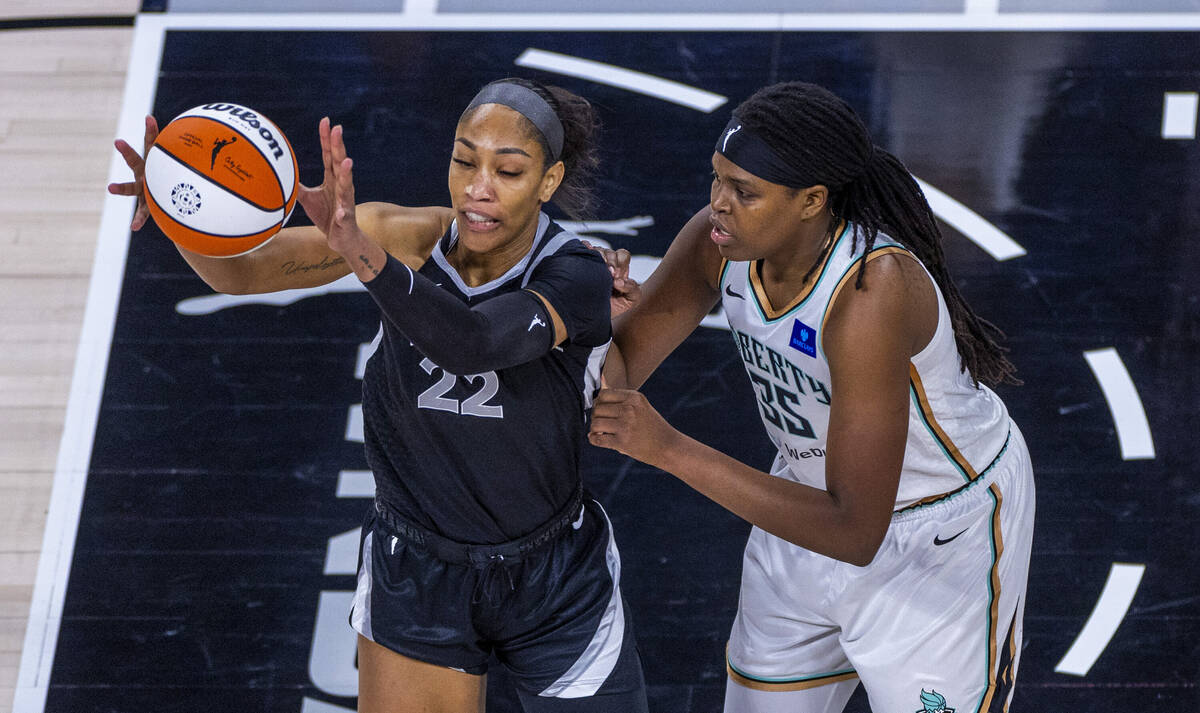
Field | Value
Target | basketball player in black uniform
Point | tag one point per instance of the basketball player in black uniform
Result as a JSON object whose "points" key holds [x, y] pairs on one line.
{"points": [[475, 404]]}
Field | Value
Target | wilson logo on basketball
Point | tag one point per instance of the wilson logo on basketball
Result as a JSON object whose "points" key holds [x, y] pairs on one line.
{"points": [[250, 119]]}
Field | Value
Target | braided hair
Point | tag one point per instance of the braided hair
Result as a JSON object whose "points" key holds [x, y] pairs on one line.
{"points": [[807, 125]]}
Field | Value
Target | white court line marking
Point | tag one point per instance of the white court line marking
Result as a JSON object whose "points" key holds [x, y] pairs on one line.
{"points": [[488, 22], [207, 304], [1179, 115], [966, 221], [355, 484], [986, 8], [420, 8], [341, 553], [87, 385], [312, 705], [624, 226], [1133, 430], [622, 78], [1110, 609], [354, 423]]}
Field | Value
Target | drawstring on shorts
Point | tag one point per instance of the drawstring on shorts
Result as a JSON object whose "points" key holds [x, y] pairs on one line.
{"points": [[487, 577]]}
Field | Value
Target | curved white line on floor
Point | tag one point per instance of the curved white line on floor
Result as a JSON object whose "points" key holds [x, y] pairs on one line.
{"points": [[966, 221], [1114, 601], [208, 304], [1133, 430], [624, 226], [622, 78]]}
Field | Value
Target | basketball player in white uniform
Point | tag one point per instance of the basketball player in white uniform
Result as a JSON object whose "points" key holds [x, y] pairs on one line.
{"points": [[892, 536]]}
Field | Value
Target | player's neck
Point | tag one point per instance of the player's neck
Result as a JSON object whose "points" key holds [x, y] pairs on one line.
{"points": [[481, 267], [783, 272]]}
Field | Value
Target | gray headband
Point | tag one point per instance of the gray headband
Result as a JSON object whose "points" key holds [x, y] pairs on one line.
{"points": [[528, 104]]}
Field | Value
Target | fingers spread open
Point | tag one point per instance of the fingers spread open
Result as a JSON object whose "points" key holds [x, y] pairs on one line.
{"points": [[123, 189], [140, 216], [132, 158], [151, 132], [345, 185], [326, 160], [337, 145]]}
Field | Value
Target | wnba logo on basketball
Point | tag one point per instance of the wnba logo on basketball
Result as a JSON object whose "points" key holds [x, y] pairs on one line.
{"points": [[186, 199]]}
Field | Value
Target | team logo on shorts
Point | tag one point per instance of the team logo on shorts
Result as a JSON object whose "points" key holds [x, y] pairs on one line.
{"points": [[185, 198], [933, 702]]}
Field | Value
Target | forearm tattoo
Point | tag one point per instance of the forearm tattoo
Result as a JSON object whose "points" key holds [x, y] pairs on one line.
{"points": [[292, 267], [365, 261]]}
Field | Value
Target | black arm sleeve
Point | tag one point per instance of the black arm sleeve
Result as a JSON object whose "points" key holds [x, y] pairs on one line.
{"points": [[576, 283], [504, 331]]}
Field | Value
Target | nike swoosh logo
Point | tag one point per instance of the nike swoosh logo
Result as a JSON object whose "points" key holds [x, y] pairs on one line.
{"points": [[729, 291], [939, 541]]}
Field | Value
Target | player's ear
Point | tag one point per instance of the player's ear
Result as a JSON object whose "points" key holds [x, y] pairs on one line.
{"points": [[551, 181], [814, 199]]}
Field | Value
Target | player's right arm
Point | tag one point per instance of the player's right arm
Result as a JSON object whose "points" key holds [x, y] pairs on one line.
{"points": [[301, 256], [297, 257], [676, 297]]}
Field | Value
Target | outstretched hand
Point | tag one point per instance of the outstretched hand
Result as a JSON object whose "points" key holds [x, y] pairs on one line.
{"points": [[626, 291], [136, 163], [320, 202], [330, 205], [624, 421]]}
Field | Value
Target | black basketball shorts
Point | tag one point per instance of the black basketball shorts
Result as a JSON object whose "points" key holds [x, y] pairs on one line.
{"points": [[548, 606]]}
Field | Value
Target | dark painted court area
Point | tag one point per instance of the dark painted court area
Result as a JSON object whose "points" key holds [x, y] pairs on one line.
{"points": [[204, 549]]}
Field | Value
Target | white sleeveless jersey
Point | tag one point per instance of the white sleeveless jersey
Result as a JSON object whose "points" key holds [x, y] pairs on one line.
{"points": [[955, 430]]}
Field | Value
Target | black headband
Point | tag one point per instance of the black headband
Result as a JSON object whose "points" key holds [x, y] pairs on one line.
{"points": [[748, 150], [528, 104]]}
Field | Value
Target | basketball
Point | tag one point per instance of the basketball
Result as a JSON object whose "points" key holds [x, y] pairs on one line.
{"points": [[221, 180]]}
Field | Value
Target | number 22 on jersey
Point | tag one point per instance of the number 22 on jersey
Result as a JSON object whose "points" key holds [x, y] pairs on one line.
{"points": [[474, 405]]}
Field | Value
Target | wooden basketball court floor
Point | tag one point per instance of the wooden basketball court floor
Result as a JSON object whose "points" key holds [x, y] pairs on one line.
{"points": [[180, 477]]}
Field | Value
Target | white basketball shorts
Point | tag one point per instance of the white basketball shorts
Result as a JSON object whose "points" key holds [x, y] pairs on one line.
{"points": [[932, 624]]}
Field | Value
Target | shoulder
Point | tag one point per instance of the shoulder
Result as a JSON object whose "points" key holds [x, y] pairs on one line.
{"points": [[893, 267], [565, 249], [896, 294], [405, 232]]}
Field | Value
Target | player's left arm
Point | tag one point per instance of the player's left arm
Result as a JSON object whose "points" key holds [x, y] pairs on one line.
{"points": [[574, 285], [868, 344], [567, 298]]}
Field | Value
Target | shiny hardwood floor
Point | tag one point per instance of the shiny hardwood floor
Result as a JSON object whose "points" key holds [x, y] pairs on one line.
{"points": [[60, 92]]}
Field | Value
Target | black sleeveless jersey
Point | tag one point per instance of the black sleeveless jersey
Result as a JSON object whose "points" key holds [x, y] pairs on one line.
{"points": [[487, 458]]}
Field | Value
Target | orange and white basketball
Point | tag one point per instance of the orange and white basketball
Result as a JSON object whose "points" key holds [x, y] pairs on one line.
{"points": [[221, 180]]}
